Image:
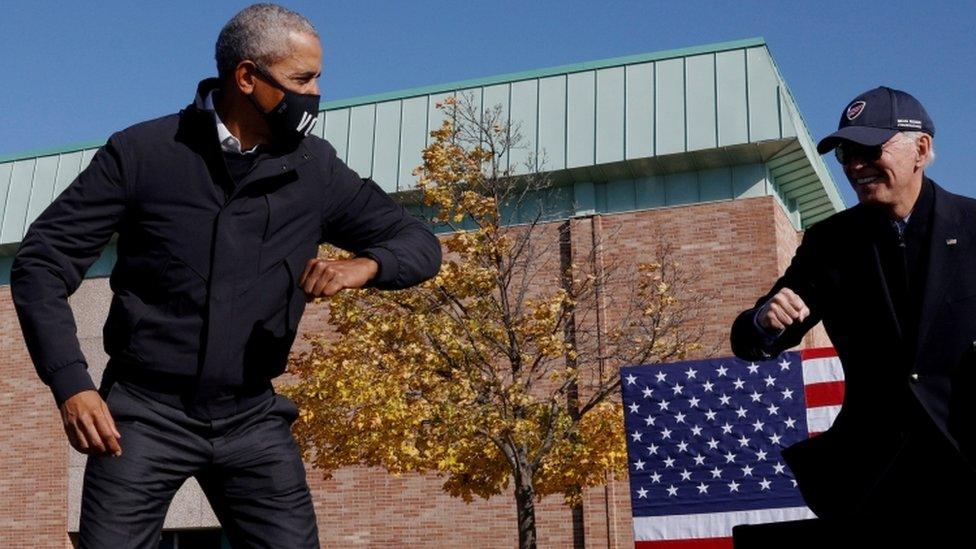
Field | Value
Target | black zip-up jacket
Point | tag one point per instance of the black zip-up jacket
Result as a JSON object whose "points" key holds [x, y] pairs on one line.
{"points": [[206, 281]]}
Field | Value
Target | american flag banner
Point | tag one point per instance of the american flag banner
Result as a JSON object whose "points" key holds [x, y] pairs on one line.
{"points": [[704, 440]]}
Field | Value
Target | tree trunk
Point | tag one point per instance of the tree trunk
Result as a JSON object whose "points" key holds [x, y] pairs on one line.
{"points": [[525, 503], [569, 333], [579, 533]]}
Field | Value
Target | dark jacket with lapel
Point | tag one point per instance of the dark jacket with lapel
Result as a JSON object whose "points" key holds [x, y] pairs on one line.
{"points": [[837, 272], [205, 285]]}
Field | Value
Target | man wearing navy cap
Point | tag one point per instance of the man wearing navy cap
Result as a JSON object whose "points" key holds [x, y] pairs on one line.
{"points": [[892, 280]]}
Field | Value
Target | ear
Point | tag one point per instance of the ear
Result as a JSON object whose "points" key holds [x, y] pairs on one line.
{"points": [[244, 75], [922, 149]]}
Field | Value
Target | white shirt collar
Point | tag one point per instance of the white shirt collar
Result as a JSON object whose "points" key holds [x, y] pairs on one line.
{"points": [[228, 143]]}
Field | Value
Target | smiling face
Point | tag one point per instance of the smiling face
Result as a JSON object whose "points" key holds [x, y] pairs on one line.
{"points": [[893, 179]]}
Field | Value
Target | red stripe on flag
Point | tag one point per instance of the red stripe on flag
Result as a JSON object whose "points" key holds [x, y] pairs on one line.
{"points": [[830, 393], [819, 352], [705, 543]]}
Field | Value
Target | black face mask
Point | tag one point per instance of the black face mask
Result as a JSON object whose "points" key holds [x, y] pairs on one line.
{"points": [[293, 118]]}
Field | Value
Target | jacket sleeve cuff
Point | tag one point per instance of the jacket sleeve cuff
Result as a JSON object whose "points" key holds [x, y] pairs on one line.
{"points": [[388, 265], [70, 380], [769, 335]]}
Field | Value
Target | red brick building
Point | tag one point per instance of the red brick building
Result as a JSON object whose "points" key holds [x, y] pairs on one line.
{"points": [[703, 148]]}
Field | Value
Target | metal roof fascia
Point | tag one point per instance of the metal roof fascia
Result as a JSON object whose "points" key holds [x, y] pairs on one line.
{"points": [[542, 73], [40, 153], [806, 141]]}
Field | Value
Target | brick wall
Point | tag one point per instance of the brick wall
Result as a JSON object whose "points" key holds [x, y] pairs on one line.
{"points": [[33, 457], [740, 246]]}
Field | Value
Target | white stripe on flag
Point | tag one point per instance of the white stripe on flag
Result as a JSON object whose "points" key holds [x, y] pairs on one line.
{"points": [[820, 419], [821, 370], [710, 525]]}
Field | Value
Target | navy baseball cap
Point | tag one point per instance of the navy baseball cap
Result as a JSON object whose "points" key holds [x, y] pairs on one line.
{"points": [[875, 116]]}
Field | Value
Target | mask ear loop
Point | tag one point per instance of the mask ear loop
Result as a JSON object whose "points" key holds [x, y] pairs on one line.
{"points": [[266, 76]]}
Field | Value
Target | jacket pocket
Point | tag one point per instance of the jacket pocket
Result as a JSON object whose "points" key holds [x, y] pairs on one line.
{"points": [[270, 340], [139, 287]]}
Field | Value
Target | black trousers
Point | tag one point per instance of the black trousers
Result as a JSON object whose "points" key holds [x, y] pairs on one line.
{"points": [[248, 465]]}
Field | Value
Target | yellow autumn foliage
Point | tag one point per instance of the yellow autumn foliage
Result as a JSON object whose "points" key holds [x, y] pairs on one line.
{"points": [[469, 374]]}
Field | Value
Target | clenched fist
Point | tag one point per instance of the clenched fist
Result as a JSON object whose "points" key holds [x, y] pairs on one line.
{"points": [[782, 310], [89, 425], [324, 277]]}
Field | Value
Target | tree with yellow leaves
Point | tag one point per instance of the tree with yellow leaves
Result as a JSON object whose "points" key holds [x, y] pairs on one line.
{"points": [[497, 373]]}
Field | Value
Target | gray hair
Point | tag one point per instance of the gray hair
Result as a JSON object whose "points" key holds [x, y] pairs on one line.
{"points": [[259, 32], [913, 137]]}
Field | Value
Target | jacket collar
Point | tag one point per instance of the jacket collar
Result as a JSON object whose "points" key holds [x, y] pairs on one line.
{"points": [[198, 129]]}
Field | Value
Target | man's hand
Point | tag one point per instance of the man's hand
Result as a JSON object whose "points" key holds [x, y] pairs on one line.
{"points": [[782, 310], [323, 277], [89, 425]]}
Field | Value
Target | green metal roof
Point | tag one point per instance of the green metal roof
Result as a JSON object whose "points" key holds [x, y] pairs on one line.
{"points": [[631, 117]]}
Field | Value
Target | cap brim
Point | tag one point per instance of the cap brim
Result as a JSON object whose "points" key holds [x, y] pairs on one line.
{"points": [[863, 135]]}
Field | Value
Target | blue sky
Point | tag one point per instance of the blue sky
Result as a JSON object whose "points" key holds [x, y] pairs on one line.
{"points": [[77, 72]]}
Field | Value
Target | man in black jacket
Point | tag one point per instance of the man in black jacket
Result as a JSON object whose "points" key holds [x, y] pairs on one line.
{"points": [[892, 280], [219, 211]]}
